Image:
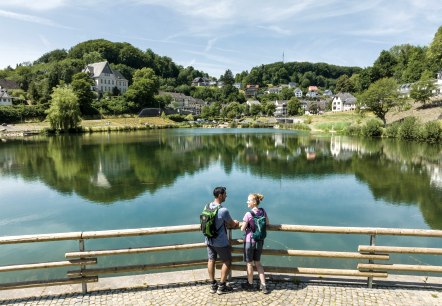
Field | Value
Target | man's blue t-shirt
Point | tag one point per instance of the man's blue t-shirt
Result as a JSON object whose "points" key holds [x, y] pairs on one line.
{"points": [[223, 217]]}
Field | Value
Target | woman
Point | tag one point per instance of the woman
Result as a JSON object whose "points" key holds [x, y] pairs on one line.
{"points": [[252, 248]]}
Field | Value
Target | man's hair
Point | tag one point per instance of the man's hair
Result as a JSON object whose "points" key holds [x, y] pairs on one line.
{"points": [[219, 190]]}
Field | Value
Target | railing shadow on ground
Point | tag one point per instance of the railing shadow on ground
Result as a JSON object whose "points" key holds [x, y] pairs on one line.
{"points": [[366, 255]]}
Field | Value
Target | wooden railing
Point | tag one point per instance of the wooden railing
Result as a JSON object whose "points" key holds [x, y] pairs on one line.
{"points": [[85, 258]]}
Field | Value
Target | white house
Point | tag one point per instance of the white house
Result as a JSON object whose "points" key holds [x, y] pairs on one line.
{"points": [[343, 102], [439, 83], [280, 108], [404, 90], [105, 78], [200, 81], [5, 99], [237, 85], [298, 93]]}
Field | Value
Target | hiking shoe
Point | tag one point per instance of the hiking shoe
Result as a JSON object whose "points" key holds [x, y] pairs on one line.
{"points": [[222, 289], [247, 286], [213, 287], [264, 289]]}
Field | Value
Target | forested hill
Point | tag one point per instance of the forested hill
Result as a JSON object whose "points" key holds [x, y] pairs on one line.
{"points": [[404, 63], [60, 65], [303, 73]]}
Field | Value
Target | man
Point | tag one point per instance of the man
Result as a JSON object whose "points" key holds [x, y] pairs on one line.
{"points": [[220, 245]]}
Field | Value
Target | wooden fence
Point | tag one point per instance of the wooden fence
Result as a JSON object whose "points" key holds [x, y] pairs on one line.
{"points": [[84, 259]]}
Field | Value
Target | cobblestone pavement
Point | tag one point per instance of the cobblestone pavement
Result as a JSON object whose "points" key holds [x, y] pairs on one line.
{"points": [[281, 293]]}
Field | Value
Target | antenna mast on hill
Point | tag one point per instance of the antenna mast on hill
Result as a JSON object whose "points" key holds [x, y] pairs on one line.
{"points": [[283, 57]]}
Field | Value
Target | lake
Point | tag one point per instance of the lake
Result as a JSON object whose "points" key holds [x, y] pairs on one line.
{"points": [[153, 178]]}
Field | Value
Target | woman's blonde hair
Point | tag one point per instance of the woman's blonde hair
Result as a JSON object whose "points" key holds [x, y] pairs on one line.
{"points": [[257, 197]]}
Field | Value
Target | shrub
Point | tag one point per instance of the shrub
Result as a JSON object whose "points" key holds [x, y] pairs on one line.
{"points": [[432, 132], [300, 126], [12, 114], [353, 130], [409, 129], [177, 117], [392, 130], [373, 128]]}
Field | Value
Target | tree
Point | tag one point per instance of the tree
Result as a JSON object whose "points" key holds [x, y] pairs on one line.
{"points": [[384, 66], [422, 90], [293, 106], [255, 109], [92, 57], [64, 112], [232, 110], [143, 89], [434, 52], [380, 97], [286, 93], [343, 84], [81, 84], [227, 78]]}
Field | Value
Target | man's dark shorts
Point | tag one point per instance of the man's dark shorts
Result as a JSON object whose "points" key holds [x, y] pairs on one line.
{"points": [[224, 253], [253, 251]]}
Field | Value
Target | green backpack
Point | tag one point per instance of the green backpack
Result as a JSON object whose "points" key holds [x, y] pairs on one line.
{"points": [[260, 232], [208, 221]]}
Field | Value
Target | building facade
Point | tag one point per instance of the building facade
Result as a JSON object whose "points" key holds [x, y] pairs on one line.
{"points": [[105, 78]]}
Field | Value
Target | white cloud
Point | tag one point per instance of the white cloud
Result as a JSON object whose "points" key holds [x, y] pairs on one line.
{"points": [[31, 19], [210, 44], [27, 18], [276, 29], [34, 5]]}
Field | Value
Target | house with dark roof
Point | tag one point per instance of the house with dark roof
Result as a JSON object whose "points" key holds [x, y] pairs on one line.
{"points": [[273, 90], [251, 90], [185, 104], [105, 78], [200, 81], [343, 102], [327, 93]]}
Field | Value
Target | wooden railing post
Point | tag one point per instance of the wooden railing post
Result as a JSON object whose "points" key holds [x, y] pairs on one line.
{"points": [[82, 267], [370, 261], [230, 238]]}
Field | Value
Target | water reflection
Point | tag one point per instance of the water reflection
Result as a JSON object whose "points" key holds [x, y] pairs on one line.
{"points": [[106, 168]]}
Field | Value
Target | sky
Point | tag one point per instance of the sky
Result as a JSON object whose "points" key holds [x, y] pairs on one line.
{"points": [[213, 36]]}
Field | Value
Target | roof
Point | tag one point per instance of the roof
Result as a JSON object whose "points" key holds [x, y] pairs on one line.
{"points": [[8, 84], [4, 94], [149, 112], [312, 88], [346, 97], [96, 69]]}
